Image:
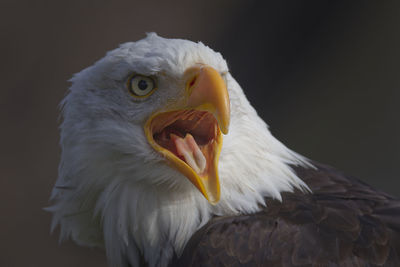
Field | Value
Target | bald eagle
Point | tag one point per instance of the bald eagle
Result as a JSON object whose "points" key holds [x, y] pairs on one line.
{"points": [[165, 163]]}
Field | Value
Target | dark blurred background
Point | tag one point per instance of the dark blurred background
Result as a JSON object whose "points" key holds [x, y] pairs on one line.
{"points": [[323, 74]]}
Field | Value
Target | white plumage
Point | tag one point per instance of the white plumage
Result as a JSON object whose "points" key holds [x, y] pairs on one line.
{"points": [[115, 191]]}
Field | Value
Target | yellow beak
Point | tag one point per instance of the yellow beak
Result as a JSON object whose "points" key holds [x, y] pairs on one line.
{"points": [[189, 135], [209, 93]]}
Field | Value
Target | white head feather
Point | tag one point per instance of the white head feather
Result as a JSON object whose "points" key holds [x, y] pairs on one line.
{"points": [[115, 191]]}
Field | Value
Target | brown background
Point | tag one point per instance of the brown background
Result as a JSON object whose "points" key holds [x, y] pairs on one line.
{"points": [[323, 75]]}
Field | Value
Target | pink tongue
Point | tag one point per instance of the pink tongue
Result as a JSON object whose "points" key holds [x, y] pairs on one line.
{"points": [[190, 151]]}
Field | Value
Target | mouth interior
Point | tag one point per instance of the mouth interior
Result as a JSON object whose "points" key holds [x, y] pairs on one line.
{"points": [[190, 135]]}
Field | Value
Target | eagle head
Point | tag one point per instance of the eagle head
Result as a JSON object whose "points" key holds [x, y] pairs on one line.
{"points": [[156, 138]]}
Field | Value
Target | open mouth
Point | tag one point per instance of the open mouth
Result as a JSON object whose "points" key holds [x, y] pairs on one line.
{"points": [[191, 141], [190, 136]]}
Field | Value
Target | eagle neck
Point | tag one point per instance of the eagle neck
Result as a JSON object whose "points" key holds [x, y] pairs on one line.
{"points": [[150, 222]]}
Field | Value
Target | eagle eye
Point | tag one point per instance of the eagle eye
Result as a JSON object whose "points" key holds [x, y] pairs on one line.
{"points": [[141, 86]]}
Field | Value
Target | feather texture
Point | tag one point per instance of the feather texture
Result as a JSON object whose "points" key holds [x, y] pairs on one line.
{"points": [[343, 223]]}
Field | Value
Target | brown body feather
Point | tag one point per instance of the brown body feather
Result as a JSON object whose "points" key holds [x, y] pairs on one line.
{"points": [[343, 222]]}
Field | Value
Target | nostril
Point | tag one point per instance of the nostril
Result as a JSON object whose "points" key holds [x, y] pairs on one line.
{"points": [[192, 81], [190, 84]]}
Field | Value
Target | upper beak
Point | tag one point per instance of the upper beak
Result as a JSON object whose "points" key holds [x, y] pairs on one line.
{"points": [[204, 114], [207, 91]]}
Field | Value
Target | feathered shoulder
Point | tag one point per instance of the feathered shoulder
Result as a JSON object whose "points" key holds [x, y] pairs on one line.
{"points": [[344, 222]]}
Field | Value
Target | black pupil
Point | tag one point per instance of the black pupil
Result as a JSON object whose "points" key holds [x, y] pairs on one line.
{"points": [[142, 85]]}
